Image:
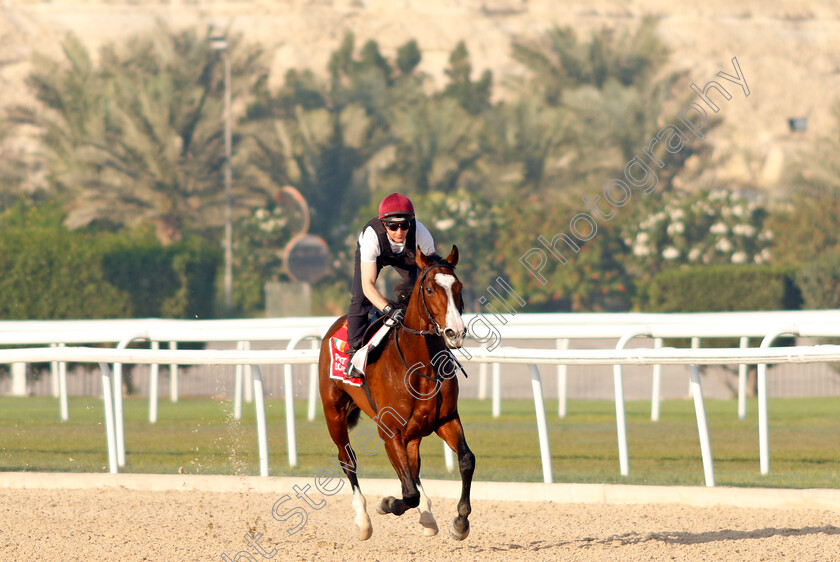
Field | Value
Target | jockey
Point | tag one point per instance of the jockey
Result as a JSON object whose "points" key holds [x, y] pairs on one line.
{"points": [[392, 238]]}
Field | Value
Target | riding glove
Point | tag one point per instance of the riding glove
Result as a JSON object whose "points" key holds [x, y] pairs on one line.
{"points": [[394, 313]]}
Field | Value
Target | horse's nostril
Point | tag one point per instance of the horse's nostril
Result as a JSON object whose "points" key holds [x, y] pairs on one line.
{"points": [[449, 333]]}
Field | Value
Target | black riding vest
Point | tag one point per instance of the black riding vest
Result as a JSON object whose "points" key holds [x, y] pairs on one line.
{"points": [[403, 262]]}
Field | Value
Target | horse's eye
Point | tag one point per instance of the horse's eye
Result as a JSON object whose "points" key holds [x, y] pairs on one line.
{"points": [[429, 290]]}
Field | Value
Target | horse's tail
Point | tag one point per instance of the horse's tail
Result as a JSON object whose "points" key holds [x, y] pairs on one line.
{"points": [[353, 413]]}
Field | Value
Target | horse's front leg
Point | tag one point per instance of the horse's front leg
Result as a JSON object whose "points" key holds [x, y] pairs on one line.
{"points": [[453, 434], [398, 456]]}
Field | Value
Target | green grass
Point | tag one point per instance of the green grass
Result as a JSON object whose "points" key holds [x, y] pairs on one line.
{"points": [[201, 436]]}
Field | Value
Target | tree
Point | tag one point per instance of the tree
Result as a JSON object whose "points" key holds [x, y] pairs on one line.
{"points": [[472, 96], [139, 137], [557, 61]]}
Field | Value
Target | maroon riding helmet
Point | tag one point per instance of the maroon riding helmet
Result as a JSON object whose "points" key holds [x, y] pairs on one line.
{"points": [[396, 208]]}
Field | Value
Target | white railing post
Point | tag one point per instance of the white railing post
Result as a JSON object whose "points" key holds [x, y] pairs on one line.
{"points": [[154, 377], [656, 390], [62, 389], [562, 375], [248, 385], [763, 423], [695, 344], [262, 429], [108, 406], [313, 385], [542, 424], [56, 392], [119, 417], [702, 426], [620, 416], [497, 390], [173, 376], [289, 396], [18, 379], [742, 383], [482, 381], [237, 386]]}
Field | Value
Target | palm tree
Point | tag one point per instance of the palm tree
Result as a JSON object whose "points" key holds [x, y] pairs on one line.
{"points": [[139, 138], [557, 61]]}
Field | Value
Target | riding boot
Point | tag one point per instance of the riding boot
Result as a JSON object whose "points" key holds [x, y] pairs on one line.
{"points": [[350, 353]]}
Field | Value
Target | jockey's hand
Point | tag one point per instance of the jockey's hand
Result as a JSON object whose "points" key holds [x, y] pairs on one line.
{"points": [[394, 313]]}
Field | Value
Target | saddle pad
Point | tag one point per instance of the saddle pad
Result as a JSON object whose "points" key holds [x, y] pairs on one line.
{"points": [[338, 356]]}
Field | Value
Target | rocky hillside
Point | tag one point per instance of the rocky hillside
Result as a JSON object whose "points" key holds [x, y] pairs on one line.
{"points": [[788, 51]]}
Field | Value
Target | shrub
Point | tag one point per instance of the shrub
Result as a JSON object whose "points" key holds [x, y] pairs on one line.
{"points": [[50, 272], [819, 281], [723, 288]]}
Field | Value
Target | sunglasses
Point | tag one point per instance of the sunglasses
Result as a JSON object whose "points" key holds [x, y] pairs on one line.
{"points": [[394, 226]]}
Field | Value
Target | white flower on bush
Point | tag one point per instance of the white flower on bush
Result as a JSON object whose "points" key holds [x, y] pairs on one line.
{"points": [[719, 228], [739, 257], [766, 254], [670, 253], [694, 254], [677, 214], [676, 228], [766, 235], [739, 210], [642, 238], [724, 245], [641, 250], [445, 224], [261, 214], [744, 230]]}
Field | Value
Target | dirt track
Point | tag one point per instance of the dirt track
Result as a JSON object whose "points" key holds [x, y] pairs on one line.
{"points": [[120, 524]]}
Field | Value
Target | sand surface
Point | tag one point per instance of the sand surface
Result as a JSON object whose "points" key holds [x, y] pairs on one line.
{"points": [[124, 524]]}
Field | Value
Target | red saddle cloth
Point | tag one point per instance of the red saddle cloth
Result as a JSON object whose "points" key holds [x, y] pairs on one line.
{"points": [[339, 357]]}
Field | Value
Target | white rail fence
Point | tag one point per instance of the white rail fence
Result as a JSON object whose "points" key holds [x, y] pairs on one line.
{"points": [[561, 328], [760, 356]]}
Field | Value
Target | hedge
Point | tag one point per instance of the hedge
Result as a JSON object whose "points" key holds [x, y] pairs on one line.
{"points": [[723, 288], [50, 272], [711, 288], [820, 282]]}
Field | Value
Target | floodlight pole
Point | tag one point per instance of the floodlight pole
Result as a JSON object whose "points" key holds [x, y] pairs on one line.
{"points": [[219, 43]]}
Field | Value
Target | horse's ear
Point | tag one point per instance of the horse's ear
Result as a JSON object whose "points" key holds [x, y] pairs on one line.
{"points": [[453, 256], [421, 260]]}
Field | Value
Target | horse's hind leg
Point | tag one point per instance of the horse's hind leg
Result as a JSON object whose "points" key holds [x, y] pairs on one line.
{"points": [[337, 424], [453, 434], [427, 520]]}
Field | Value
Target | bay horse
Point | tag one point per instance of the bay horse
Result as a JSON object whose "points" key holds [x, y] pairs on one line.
{"points": [[413, 395]]}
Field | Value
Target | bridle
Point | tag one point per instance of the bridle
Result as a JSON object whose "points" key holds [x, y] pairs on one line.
{"points": [[437, 330]]}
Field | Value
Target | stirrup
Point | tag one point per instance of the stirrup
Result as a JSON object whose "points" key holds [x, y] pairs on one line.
{"points": [[349, 368]]}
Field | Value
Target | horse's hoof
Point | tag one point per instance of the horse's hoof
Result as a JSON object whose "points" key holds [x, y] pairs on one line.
{"points": [[365, 532], [380, 507], [456, 535], [427, 520]]}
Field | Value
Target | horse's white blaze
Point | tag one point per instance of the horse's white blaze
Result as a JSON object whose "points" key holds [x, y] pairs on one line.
{"points": [[427, 520], [362, 518], [453, 317]]}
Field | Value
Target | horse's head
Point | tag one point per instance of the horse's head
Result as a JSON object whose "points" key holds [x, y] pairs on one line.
{"points": [[437, 295]]}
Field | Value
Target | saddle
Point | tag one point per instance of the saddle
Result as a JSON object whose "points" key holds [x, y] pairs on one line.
{"points": [[373, 338]]}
